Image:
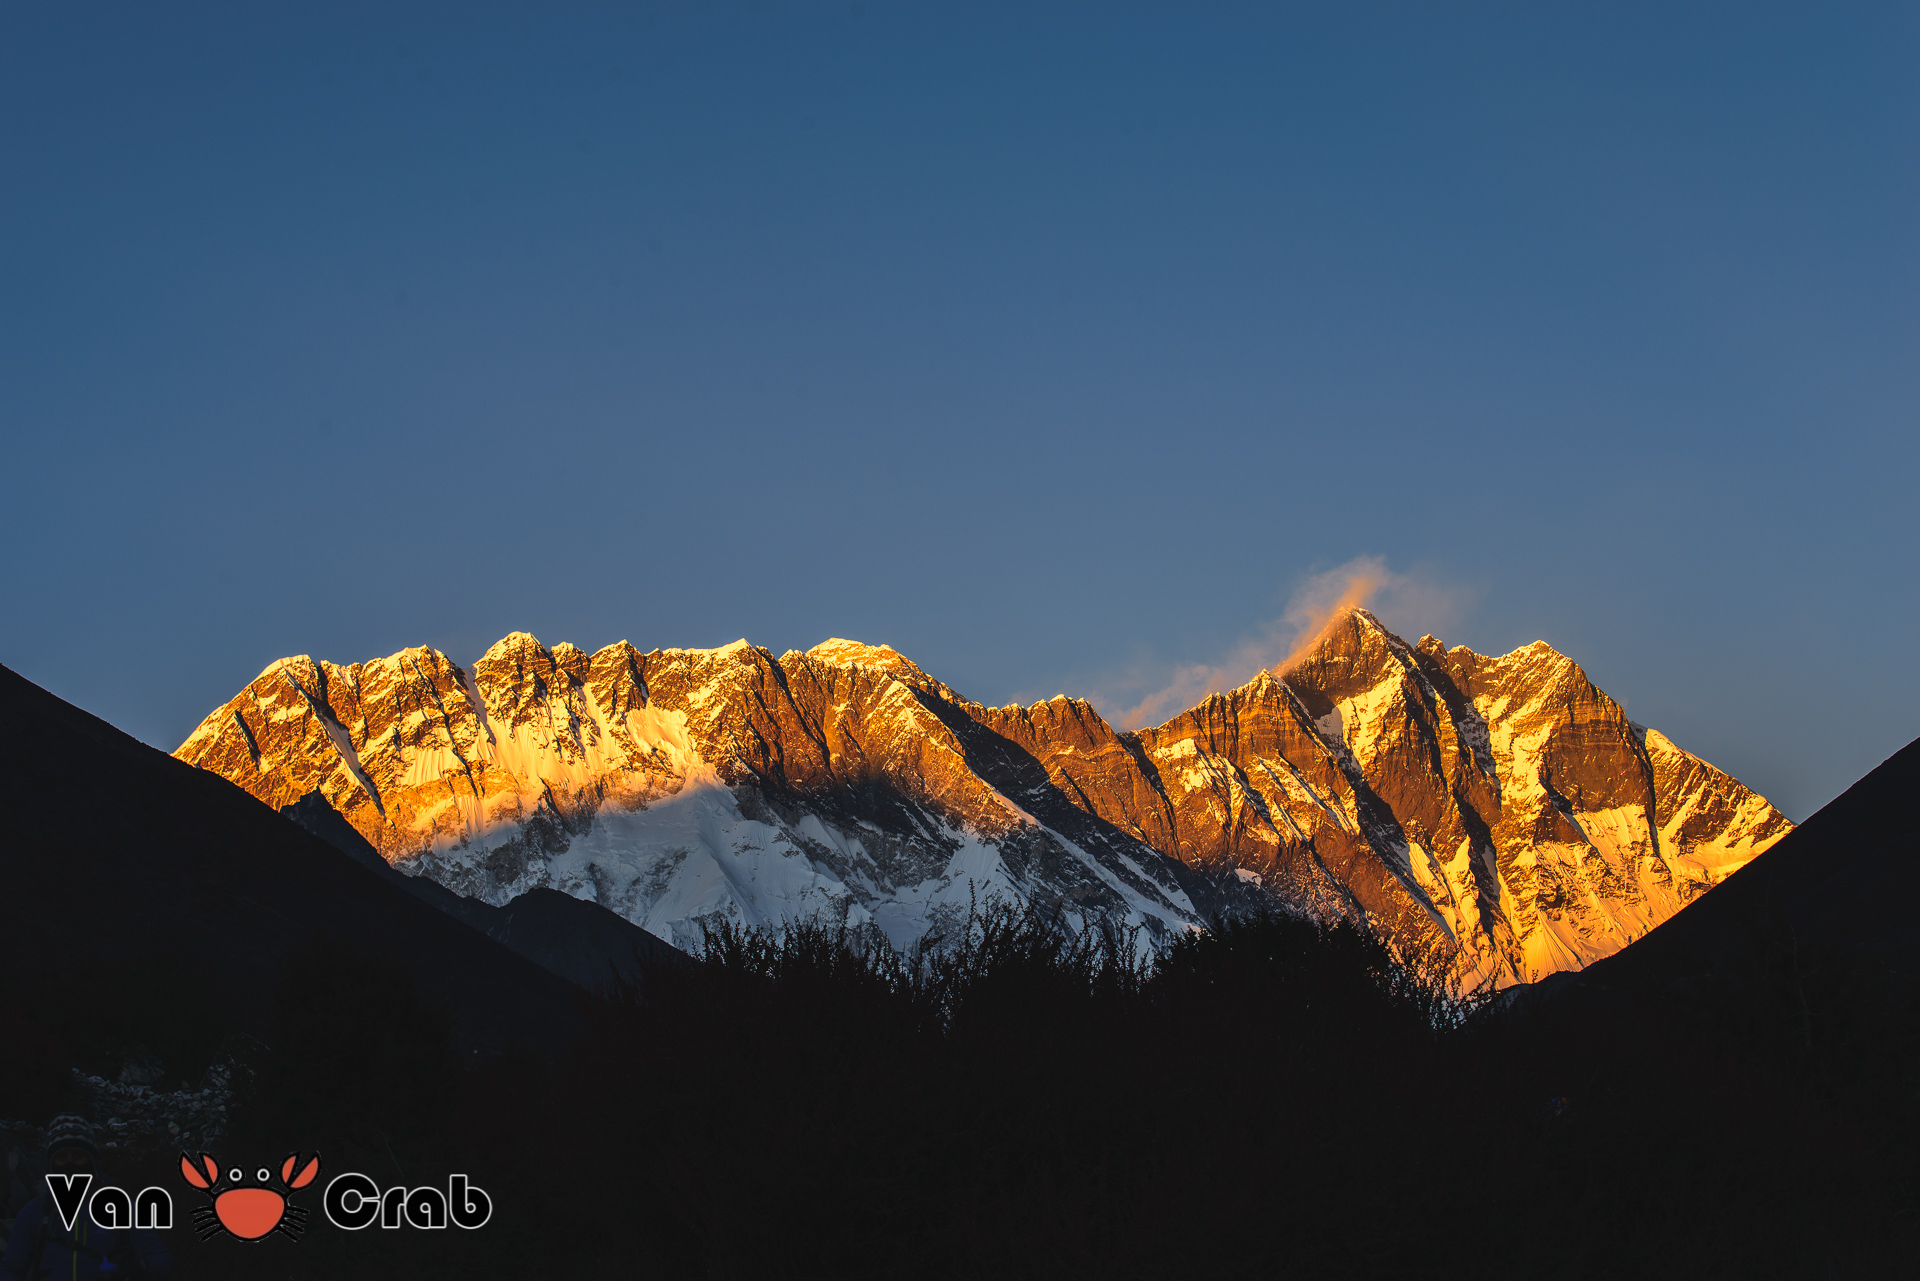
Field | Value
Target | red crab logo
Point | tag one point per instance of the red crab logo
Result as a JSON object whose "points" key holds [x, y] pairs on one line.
{"points": [[249, 1208]]}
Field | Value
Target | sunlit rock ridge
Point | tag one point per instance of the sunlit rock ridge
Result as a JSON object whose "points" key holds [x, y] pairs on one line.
{"points": [[1500, 814]]}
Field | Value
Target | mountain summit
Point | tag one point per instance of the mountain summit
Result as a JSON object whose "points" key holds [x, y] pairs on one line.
{"points": [[1502, 814]]}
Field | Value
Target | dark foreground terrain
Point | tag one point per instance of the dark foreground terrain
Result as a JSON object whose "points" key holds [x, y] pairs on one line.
{"points": [[1267, 1100]]}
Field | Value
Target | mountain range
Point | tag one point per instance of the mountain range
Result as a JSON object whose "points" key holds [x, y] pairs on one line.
{"points": [[1500, 815]]}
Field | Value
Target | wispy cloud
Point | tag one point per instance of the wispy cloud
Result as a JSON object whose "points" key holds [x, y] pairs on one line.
{"points": [[1278, 644]]}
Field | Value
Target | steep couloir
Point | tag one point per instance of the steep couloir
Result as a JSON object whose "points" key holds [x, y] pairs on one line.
{"points": [[1499, 814]]}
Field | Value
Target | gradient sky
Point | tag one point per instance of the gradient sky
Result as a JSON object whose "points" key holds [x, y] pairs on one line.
{"points": [[1056, 346]]}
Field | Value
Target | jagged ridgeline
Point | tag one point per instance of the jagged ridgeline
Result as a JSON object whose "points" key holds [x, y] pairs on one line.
{"points": [[1501, 813]]}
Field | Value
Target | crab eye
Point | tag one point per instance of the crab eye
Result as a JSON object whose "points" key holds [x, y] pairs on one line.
{"points": [[262, 1174], [234, 1175]]}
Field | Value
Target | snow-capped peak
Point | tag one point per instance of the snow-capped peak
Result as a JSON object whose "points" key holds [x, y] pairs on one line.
{"points": [[1499, 809]]}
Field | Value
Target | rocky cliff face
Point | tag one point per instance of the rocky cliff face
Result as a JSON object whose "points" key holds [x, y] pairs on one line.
{"points": [[1500, 813]]}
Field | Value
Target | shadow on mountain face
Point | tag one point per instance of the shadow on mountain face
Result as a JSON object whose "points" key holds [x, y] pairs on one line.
{"points": [[1215, 890]]}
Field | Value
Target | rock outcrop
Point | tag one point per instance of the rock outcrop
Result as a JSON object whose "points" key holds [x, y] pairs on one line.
{"points": [[1501, 815]]}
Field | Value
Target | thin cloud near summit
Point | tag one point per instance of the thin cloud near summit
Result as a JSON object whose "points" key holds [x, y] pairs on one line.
{"points": [[1280, 642]]}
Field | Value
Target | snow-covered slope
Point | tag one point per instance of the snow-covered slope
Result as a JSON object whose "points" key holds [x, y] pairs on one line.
{"points": [[1501, 813], [675, 787]]}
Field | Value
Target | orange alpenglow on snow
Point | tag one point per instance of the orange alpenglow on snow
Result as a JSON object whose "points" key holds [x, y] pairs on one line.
{"points": [[1500, 813]]}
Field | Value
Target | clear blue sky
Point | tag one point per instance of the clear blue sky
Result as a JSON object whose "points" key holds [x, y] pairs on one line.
{"points": [[1054, 345]]}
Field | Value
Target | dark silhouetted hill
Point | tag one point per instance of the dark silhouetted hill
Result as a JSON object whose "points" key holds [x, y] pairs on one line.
{"points": [[1843, 881], [579, 940], [118, 855]]}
